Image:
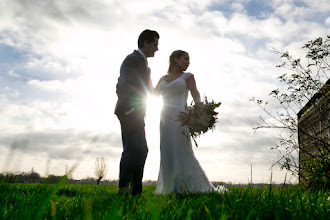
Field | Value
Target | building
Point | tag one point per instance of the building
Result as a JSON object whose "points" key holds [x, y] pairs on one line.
{"points": [[313, 127]]}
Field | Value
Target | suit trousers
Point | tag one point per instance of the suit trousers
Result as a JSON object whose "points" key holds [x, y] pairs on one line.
{"points": [[134, 153]]}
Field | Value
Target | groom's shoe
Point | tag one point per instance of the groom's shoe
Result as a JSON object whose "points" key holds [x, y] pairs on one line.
{"points": [[124, 191]]}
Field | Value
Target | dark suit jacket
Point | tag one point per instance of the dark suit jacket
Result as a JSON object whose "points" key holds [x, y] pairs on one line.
{"points": [[133, 85]]}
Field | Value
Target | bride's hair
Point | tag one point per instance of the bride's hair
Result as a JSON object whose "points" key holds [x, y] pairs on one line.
{"points": [[175, 54]]}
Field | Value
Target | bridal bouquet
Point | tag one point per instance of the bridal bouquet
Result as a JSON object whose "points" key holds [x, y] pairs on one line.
{"points": [[199, 118]]}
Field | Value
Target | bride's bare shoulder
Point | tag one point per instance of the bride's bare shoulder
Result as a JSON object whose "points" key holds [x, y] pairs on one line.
{"points": [[189, 75], [162, 78]]}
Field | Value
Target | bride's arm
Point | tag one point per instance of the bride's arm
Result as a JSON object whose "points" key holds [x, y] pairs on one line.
{"points": [[191, 83], [156, 89]]}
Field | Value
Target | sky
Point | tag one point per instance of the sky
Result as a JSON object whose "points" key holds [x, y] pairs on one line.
{"points": [[60, 61]]}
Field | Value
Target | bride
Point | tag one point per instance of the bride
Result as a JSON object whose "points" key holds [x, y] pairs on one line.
{"points": [[180, 172]]}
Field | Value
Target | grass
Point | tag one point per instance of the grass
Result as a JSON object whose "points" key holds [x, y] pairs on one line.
{"points": [[61, 201]]}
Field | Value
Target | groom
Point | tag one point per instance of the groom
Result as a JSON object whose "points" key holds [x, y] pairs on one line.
{"points": [[132, 88]]}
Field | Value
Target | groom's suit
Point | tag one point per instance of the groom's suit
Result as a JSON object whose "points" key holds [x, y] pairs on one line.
{"points": [[132, 88]]}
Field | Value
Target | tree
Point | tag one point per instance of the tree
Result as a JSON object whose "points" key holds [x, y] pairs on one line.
{"points": [[100, 168], [34, 176], [309, 79]]}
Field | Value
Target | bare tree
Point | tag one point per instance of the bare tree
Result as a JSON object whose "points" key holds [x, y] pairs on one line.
{"points": [[100, 168]]}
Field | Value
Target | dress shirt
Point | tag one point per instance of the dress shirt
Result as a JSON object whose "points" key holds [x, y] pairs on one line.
{"points": [[144, 56]]}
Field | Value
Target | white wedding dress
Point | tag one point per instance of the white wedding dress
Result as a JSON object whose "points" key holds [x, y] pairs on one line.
{"points": [[180, 171]]}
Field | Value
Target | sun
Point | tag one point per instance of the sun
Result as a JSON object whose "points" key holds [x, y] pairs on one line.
{"points": [[154, 107]]}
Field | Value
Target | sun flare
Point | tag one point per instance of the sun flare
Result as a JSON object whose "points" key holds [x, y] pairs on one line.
{"points": [[154, 107]]}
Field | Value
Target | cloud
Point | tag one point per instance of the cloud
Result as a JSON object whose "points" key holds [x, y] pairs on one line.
{"points": [[52, 85], [63, 144], [327, 21], [13, 74], [9, 92]]}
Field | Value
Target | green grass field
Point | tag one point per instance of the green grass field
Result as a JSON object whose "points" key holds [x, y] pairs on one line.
{"points": [[61, 201]]}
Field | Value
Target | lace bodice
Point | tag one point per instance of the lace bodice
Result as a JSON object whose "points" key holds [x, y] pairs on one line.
{"points": [[175, 95]]}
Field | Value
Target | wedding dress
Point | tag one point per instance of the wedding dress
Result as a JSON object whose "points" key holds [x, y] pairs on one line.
{"points": [[180, 171]]}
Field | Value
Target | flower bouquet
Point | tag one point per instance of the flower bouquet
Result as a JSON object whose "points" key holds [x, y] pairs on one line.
{"points": [[199, 118]]}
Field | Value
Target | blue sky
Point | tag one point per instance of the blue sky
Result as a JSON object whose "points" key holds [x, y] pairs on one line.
{"points": [[59, 64]]}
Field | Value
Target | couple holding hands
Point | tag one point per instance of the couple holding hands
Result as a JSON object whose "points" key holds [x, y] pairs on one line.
{"points": [[180, 171]]}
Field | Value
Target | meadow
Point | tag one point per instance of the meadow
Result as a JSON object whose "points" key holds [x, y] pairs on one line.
{"points": [[66, 201]]}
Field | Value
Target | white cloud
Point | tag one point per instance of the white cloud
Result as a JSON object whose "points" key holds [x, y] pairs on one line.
{"points": [[327, 21], [300, 10], [11, 92], [52, 85], [13, 74]]}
